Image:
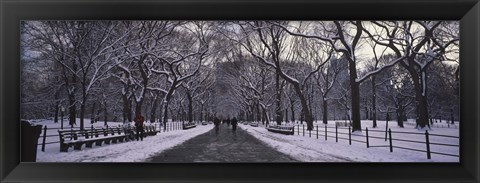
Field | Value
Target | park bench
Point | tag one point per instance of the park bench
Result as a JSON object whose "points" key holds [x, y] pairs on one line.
{"points": [[204, 123], [149, 131], [189, 125], [254, 124], [77, 138], [287, 130], [339, 123]]}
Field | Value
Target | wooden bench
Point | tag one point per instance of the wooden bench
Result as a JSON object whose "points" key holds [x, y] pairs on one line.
{"points": [[77, 138], [189, 125], [149, 131], [287, 130]]}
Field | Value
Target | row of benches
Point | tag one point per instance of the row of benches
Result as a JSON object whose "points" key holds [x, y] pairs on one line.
{"points": [[189, 125], [290, 130], [287, 130], [77, 138]]}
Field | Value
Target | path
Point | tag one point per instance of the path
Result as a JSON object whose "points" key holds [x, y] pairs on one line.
{"points": [[226, 146]]}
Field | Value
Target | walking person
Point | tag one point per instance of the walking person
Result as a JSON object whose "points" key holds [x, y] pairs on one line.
{"points": [[216, 122], [139, 119], [234, 124]]}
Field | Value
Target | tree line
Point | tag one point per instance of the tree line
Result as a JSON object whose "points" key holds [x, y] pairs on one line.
{"points": [[258, 70]]}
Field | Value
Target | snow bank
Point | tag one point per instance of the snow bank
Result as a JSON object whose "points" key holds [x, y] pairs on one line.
{"points": [[133, 151], [311, 149]]}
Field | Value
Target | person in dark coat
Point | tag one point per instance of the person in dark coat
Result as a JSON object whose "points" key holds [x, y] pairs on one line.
{"points": [[139, 119], [216, 122], [234, 124]]}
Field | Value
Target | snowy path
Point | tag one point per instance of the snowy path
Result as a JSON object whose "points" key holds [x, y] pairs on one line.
{"points": [[226, 146]]}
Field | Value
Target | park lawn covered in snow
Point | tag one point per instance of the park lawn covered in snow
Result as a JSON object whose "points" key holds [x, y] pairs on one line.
{"points": [[133, 151], [311, 149]]}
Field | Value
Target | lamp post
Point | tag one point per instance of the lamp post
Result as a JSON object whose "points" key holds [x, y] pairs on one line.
{"points": [[62, 109]]}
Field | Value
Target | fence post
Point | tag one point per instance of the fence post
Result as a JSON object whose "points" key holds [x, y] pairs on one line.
{"points": [[310, 133], [427, 140], [317, 131], [325, 131], [390, 139], [303, 128], [298, 129], [336, 133], [349, 136], [366, 131], [386, 126], [44, 138]]}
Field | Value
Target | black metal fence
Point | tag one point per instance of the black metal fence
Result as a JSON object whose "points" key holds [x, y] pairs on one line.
{"points": [[388, 136]]}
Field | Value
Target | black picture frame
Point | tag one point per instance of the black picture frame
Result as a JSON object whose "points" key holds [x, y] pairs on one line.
{"points": [[12, 12]]}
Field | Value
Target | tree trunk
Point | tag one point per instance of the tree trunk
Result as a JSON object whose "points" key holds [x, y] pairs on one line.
{"points": [[286, 114], [190, 107], [366, 112], [105, 113], [82, 114], [354, 88], [278, 111], [92, 118], [400, 116], [421, 99], [265, 115], [57, 106], [258, 112], [305, 109], [153, 112], [292, 107], [166, 103], [165, 113], [374, 103], [72, 109], [302, 116], [201, 113], [138, 106], [325, 109]]}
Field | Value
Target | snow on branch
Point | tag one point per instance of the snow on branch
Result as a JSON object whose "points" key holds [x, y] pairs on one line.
{"points": [[376, 71]]}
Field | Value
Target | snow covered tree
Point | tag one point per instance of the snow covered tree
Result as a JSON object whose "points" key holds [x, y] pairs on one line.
{"points": [[267, 43], [420, 43]]}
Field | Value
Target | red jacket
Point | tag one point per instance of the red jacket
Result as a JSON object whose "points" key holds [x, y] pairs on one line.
{"points": [[139, 120]]}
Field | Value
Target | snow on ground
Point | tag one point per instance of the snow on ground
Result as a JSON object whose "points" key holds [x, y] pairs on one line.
{"points": [[311, 149], [133, 151]]}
